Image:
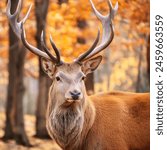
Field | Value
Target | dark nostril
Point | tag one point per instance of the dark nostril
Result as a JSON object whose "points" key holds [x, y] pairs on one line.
{"points": [[78, 93], [75, 95]]}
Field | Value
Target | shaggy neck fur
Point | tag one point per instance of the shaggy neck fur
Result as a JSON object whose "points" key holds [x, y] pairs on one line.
{"points": [[70, 125]]}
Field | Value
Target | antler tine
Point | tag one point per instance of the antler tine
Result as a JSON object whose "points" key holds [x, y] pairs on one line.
{"points": [[82, 56], [113, 11], [108, 31], [14, 17], [30, 47], [46, 49], [18, 28], [56, 51], [18, 9]]}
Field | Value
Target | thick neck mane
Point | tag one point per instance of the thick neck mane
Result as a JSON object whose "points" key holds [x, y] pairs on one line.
{"points": [[69, 126]]}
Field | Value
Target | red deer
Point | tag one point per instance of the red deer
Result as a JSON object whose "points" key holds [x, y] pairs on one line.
{"points": [[76, 121]]}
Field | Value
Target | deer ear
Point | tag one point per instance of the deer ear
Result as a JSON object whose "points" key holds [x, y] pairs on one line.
{"points": [[91, 65], [48, 67]]}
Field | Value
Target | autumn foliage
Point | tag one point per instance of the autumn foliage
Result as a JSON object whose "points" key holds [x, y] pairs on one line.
{"points": [[73, 27]]}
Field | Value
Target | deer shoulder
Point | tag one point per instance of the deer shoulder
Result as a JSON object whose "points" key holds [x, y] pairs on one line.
{"points": [[122, 119]]}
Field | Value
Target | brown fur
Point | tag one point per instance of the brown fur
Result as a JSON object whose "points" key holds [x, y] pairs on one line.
{"points": [[110, 121]]}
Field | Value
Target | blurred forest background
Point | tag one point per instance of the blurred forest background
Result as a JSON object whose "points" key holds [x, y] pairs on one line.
{"points": [[73, 26]]}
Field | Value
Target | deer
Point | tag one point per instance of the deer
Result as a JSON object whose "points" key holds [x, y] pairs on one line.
{"points": [[75, 121]]}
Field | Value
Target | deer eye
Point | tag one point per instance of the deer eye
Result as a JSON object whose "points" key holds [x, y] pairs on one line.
{"points": [[58, 78], [83, 78]]}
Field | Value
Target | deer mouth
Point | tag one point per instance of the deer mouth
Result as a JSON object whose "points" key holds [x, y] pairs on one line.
{"points": [[70, 103], [72, 100]]}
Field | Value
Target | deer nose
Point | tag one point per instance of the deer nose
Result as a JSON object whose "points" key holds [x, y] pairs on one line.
{"points": [[75, 95]]}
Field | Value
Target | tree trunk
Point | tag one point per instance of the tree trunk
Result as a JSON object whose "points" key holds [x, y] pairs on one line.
{"points": [[62, 1], [18, 118], [143, 78], [44, 81], [148, 58], [14, 128], [138, 83]]}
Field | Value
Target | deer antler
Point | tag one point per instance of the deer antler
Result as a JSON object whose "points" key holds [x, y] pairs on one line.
{"points": [[57, 58], [108, 31], [107, 37], [18, 28]]}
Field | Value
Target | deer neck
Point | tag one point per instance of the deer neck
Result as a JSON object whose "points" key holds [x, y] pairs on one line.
{"points": [[69, 127]]}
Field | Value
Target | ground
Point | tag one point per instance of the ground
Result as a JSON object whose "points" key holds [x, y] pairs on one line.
{"points": [[38, 144]]}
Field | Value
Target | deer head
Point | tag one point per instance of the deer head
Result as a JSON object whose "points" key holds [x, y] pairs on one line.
{"points": [[68, 78]]}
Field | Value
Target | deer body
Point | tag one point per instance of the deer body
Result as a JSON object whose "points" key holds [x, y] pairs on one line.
{"points": [[121, 122], [110, 121]]}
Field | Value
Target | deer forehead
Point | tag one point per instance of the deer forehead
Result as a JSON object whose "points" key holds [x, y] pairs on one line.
{"points": [[69, 71]]}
